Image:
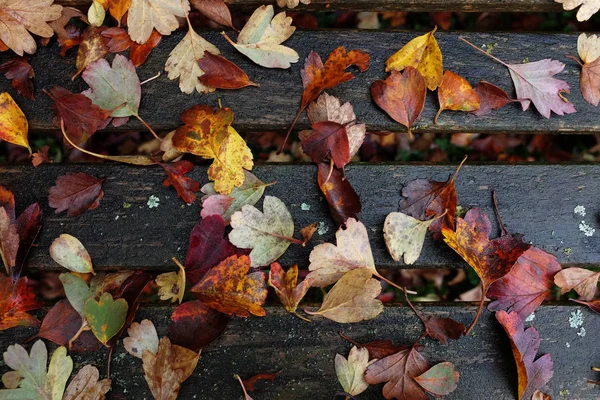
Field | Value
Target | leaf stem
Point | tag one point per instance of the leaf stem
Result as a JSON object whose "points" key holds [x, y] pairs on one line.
{"points": [[287, 135], [484, 52], [481, 303], [497, 210], [151, 78], [574, 59], [148, 127], [84, 327], [393, 284], [459, 167], [303, 318]]}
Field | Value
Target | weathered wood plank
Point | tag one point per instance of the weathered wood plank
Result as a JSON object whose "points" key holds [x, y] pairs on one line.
{"points": [[536, 200], [273, 105], [306, 351], [389, 5]]}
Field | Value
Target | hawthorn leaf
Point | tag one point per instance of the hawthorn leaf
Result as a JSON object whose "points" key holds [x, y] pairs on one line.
{"points": [[106, 316], [146, 15], [533, 374], [87, 386], [329, 139], [401, 96], [589, 80], [142, 337], [353, 298], [329, 262], [404, 236], [422, 53], [185, 186], [75, 193], [171, 285], [585, 12], [286, 287], [215, 10], [229, 288], [342, 199], [527, 285], [13, 123], [19, 17], [41, 156], [588, 47], [439, 380], [221, 73], [260, 39], [584, 281], [92, 48], [268, 233], [194, 325], [350, 372], [21, 74], [491, 97], [119, 40], [455, 93], [70, 253], [183, 62], [15, 301], [76, 290], [97, 13]]}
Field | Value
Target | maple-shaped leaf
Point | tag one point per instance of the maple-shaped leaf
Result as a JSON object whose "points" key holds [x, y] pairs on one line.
{"points": [[195, 325], [81, 117], [329, 139], [532, 373], [527, 285], [93, 47], [422, 53], [491, 259], [287, 288], [86, 385], [268, 233], [455, 93], [342, 199], [317, 77], [13, 123], [404, 236], [260, 39], [220, 73], [585, 12], [535, 82], [351, 372], [491, 97], [69, 252], [439, 380], [37, 381], [584, 281], [119, 40], [75, 193], [171, 285], [215, 10], [401, 96], [19, 17], [15, 301], [208, 133], [20, 72], [184, 185], [589, 80], [183, 62], [146, 15], [353, 298], [41, 156], [229, 288]]}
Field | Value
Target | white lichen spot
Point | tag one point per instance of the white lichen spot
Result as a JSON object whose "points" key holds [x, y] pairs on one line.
{"points": [[530, 318], [576, 319], [322, 229], [581, 332], [586, 229], [116, 217], [305, 207], [579, 210], [153, 201], [568, 345]]}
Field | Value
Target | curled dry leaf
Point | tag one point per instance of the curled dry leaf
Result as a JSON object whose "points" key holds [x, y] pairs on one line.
{"points": [[589, 80], [585, 12], [75, 193], [404, 236], [221, 73], [21, 74], [171, 285], [68, 251], [184, 185], [584, 281], [215, 10], [142, 337], [351, 372], [106, 316], [146, 15], [260, 39], [491, 97], [87, 386], [594, 305], [13, 123], [455, 93], [342, 200], [195, 325], [286, 287], [15, 301], [422, 53]]}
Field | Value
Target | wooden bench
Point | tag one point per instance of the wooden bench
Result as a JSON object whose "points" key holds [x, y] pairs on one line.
{"points": [[535, 199]]}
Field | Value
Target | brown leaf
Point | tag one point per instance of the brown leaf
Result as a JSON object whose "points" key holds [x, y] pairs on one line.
{"points": [[92, 48], [455, 93], [308, 231], [185, 186], [86, 386], [377, 349], [584, 281], [221, 73], [21, 73], [287, 288], [491, 97], [594, 305], [76, 193], [589, 81], [41, 156], [329, 139], [215, 10], [118, 39], [341, 198]]}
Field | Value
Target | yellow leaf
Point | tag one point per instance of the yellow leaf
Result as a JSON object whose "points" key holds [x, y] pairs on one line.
{"points": [[171, 285], [13, 124], [422, 53], [96, 13]]}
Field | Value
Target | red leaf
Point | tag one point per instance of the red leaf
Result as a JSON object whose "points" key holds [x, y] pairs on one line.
{"points": [[250, 382], [221, 73], [176, 177], [28, 224], [329, 139], [15, 301], [195, 325], [140, 52], [21, 72], [377, 349], [118, 39], [215, 10], [343, 201], [491, 98], [41, 156], [76, 193]]}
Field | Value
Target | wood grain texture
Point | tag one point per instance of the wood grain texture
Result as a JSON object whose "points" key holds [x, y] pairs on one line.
{"points": [[536, 200], [272, 106], [389, 5], [306, 351]]}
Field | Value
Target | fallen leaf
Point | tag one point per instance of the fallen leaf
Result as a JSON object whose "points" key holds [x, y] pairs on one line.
{"points": [[119, 40], [527, 285], [15, 301], [350, 372], [97, 12], [422, 53], [589, 81], [171, 285], [41, 156], [377, 349], [195, 325], [401, 96], [142, 337], [183, 62], [260, 39], [291, 3], [215, 10], [68, 251], [92, 48], [539, 395], [584, 281], [13, 123], [533, 375], [106, 316], [585, 12], [146, 15], [184, 185], [76, 291], [268, 233], [342, 200], [9, 240], [439, 380], [491, 97], [404, 236], [246, 395], [66, 32], [170, 152], [118, 8], [329, 139], [250, 382], [308, 232], [229, 288], [455, 93], [353, 298], [21, 74], [28, 226], [287, 288], [20, 16], [208, 133], [75, 193], [221, 73], [87, 386], [594, 305]]}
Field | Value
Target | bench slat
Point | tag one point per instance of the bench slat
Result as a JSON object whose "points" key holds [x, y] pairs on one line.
{"points": [[306, 352], [272, 106], [123, 238]]}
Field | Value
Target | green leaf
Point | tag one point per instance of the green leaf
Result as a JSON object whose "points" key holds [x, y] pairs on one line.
{"points": [[106, 317], [68, 251], [76, 290]]}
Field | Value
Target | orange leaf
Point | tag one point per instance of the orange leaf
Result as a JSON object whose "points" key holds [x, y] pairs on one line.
{"points": [[15, 301], [118, 8], [184, 185], [455, 93], [93, 48], [287, 288], [221, 73]]}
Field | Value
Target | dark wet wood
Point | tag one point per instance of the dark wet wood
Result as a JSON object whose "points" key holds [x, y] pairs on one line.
{"points": [[272, 106], [536, 200], [306, 351]]}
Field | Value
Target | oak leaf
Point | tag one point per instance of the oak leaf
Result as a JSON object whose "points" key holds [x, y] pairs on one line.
{"points": [[106, 316], [286, 287], [404, 236], [350, 372], [220, 73], [491, 97], [260, 39], [584, 281], [229, 288], [589, 80], [146, 15], [342, 199], [21, 74], [171, 285], [215, 10], [75, 193], [455, 93], [422, 53], [15, 301], [13, 123], [92, 48], [87, 386], [184, 185], [585, 12], [195, 325]]}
